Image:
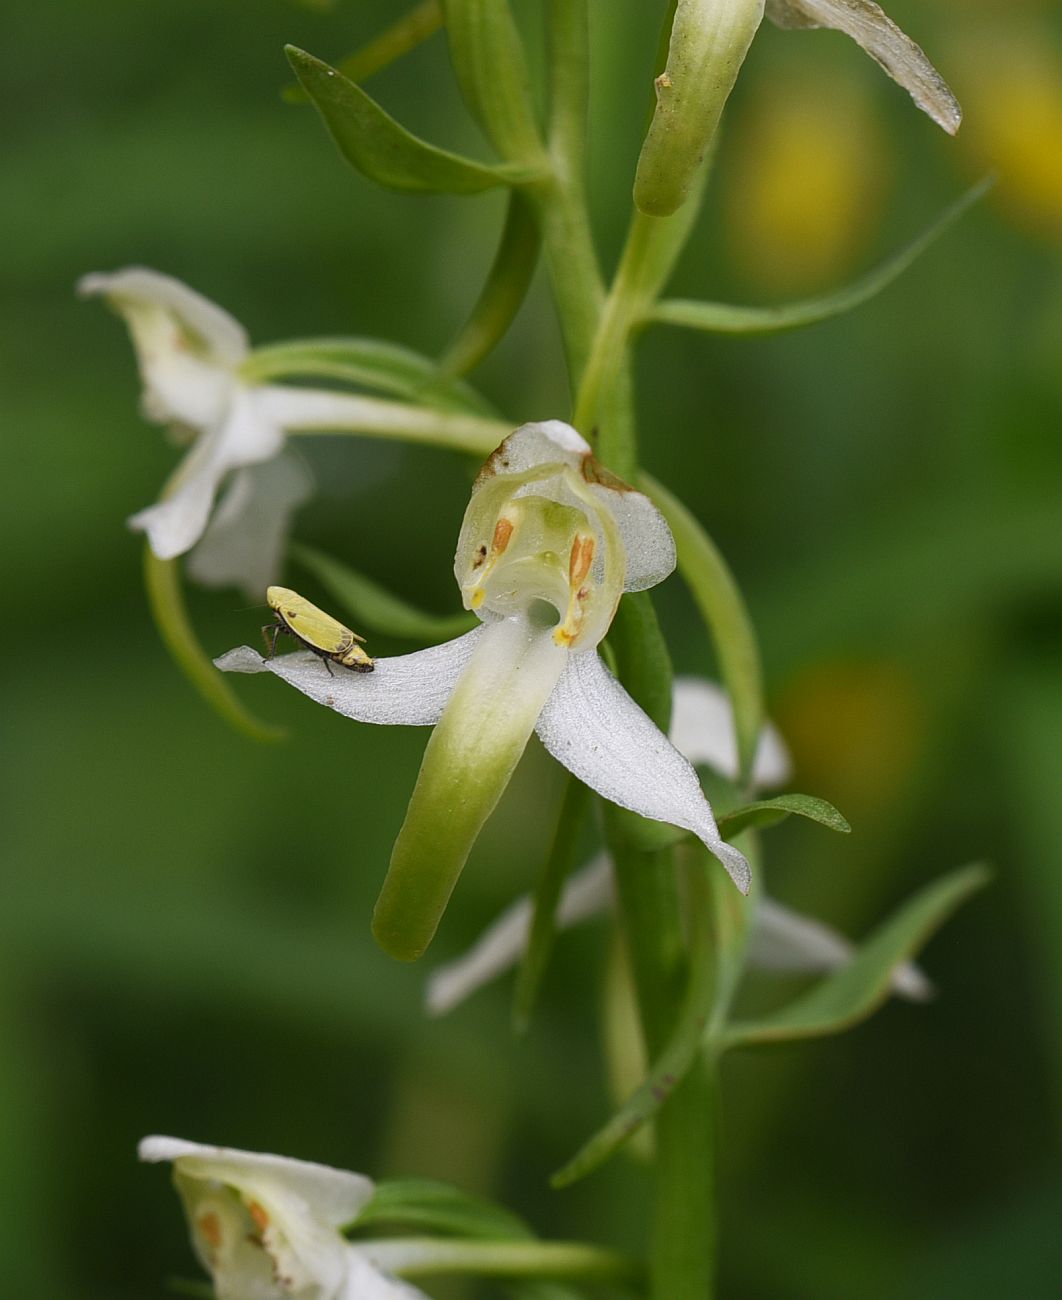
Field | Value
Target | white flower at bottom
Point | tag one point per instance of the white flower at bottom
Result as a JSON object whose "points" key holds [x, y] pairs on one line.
{"points": [[550, 541], [268, 1227]]}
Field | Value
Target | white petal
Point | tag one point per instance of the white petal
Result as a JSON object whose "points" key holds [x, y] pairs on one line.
{"points": [[702, 728], [784, 940], [245, 437], [333, 1196], [187, 348], [544, 442], [645, 533], [592, 726], [501, 945], [870, 27], [364, 1281], [243, 545], [223, 337], [407, 690]]}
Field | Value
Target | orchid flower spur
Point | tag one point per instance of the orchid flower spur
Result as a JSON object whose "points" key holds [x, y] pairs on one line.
{"points": [[702, 727], [193, 359], [267, 1227], [550, 541]]}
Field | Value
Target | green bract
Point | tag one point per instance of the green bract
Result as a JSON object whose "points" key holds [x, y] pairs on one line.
{"points": [[709, 41]]}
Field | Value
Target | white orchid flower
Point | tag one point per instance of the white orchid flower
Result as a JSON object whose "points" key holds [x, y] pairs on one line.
{"points": [[702, 727], [192, 356], [550, 541], [243, 545], [267, 1227]]}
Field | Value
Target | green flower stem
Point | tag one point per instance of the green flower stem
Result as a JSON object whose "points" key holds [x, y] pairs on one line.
{"points": [[162, 581], [683, 1242], [561, 860], [382, 419], [432, 1257], [723, 609], [674, 1062], [568, 23], [578, 289], [652, 247]]}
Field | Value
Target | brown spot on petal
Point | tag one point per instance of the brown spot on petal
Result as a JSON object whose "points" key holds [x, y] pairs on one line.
{"points": [[210, 1226], [503, 532], [580, 560], [260, 1215], [595, 472]]}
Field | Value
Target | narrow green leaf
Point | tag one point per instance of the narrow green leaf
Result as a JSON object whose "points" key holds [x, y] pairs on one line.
{"points": [[767, 812], [413, 28], [374, 608], [424, 1205], [162, 580], [374, 143], [722, 607], [559, 863], [372, 363], [727, 319], [683, 1046], [855, 991], [506, 288], [491, 69]]}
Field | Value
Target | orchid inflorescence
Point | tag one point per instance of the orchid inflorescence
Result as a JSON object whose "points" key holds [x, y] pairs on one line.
{"points": [[562, 538]]}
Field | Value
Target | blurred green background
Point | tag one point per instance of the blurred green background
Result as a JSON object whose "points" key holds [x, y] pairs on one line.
{"points": [[184, 941]]}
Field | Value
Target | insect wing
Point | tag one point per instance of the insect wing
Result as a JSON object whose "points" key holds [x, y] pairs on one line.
{"points": [[310, 624]]}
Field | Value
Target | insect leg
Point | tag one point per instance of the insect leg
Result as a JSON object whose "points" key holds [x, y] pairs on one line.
{"points": [[270, 632]]}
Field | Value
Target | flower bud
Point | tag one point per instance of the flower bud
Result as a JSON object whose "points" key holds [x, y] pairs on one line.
{"points": [[709, 41]]}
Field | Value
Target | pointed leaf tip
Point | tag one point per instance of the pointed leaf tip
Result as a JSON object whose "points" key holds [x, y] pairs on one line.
{"points": [[856, 990], [767, 812], [382, 149]]}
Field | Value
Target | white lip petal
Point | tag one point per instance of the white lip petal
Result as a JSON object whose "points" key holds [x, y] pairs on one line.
{"points": [[784, 940], [587, 892], [222, 336], [702, 728], [593, 727], [332, 1196], [244, 542], [407, 690], [872, 29]]}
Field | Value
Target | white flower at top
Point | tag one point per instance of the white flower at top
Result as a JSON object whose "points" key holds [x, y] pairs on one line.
{"points": [[549, 543], [189, 351], [195, 365], [702, 727], [267, 1227]]}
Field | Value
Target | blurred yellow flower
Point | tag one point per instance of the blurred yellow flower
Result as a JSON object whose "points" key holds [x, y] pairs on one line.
{"points": [[806, 189], [1012, 83]]}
